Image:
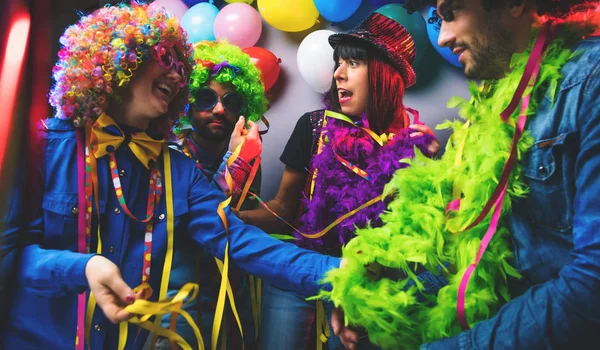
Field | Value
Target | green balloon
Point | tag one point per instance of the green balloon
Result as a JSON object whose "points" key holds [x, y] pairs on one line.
{"points": [[414, 24]]}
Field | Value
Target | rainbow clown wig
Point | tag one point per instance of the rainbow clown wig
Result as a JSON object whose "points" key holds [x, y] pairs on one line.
{"points": [[226, 63], [101, 53]]}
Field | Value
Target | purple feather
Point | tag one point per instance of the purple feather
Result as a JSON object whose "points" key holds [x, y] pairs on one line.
{"points": [[338, 190]]}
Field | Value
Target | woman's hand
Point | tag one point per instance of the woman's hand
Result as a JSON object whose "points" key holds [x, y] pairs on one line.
{"points": [[111, 292], [421, 129]]}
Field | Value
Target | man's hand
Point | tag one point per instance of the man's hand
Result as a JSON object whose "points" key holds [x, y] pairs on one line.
{"points": [[420, 130], [348, 337], [111, 292], [252, 146]]}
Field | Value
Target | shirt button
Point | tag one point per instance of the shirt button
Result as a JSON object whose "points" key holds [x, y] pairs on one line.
{"points": [[117, 211], [543, 170], [111, 249], [161, 216], [97, 327], [121, 173], [75, 210]]}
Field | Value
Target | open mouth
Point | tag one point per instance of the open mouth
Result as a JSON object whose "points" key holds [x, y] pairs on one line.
{"points": [[164, 89], [344, 95]]}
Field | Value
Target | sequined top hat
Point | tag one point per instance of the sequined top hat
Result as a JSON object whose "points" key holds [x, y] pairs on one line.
{"points": [[388, 37]]}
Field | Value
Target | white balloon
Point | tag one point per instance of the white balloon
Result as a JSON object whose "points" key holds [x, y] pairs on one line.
{"points": [[315, 60]]}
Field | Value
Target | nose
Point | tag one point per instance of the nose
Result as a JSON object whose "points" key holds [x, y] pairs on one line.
{"points": [[447, 37], [340, 72], [218, 109], [174, 75]]}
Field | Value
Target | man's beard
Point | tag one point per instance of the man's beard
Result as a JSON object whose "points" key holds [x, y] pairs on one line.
{"points": [[491, 61], [214, 136]]}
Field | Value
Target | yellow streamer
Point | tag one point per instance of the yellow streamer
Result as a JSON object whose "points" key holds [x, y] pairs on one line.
{"points": [[225, 288], [380, 139], [253, 293], [340, 219], [255, 307], [166, 273], [144, 310], [322, 327]]}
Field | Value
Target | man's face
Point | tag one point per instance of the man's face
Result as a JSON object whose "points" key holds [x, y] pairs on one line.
{"points": [[215, 123], [483, 39]]}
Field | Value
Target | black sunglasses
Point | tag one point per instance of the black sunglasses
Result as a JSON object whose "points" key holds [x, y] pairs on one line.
{"points": [[207, 99]]}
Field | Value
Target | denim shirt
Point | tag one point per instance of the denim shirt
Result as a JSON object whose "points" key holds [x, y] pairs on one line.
{"points": [[51, 272], [556, 229]]}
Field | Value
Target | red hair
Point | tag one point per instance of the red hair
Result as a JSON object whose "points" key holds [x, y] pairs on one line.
{"points": [[386, 109]]}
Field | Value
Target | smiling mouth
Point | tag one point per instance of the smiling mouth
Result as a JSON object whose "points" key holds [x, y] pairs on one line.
{"points": [[165, 89]]}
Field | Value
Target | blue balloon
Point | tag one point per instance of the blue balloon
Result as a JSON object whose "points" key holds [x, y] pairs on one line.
{"points": [[190, 3], [434, 24], [379, 3], [364, 10], [199, 21], [337, 10]]}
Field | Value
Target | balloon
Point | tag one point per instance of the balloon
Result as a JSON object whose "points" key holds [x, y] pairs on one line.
{"points": [[199, 21], [379, 3], [315, 60], [175, 8], [234, 1], [191, 3], [414, 24], [364, 10], [289, 15], [434, 23], [239, 23], [337, 10], [266, 62]]}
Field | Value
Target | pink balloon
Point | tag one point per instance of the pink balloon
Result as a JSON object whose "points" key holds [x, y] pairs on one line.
{"points": [[239, 23], [175, 8]]}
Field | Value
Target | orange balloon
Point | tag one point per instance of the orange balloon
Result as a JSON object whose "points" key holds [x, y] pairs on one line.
{"points": [[266, 62]]}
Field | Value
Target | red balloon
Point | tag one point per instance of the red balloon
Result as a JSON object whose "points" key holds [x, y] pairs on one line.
{"points": [[266, 62]]}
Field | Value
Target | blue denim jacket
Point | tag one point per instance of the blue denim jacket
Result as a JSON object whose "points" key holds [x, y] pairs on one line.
{"points": [[556, 229], [51, 273]]}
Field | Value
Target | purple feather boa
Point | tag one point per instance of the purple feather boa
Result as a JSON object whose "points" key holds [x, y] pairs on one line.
{"points": [[338, 190]]}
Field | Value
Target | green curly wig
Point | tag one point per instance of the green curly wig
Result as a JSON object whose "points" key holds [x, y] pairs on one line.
{"points": [[418, 232], [246, 81]]}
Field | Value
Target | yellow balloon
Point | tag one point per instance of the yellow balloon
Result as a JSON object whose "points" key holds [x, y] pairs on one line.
{"points": [[246, 1], [289, 15]]}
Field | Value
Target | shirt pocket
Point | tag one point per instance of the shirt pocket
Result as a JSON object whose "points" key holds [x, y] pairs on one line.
{"points": [[60, 220], [181, 209], [547, 201]]}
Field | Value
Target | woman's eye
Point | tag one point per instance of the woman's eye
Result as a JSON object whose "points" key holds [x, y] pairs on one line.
{"points": [[354, 63]]}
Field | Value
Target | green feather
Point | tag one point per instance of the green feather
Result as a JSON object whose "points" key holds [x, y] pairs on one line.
{"points": [[417, 230]]}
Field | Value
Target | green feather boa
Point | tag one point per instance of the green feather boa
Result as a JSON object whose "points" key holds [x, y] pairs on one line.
{"points": [[417, 230]]}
